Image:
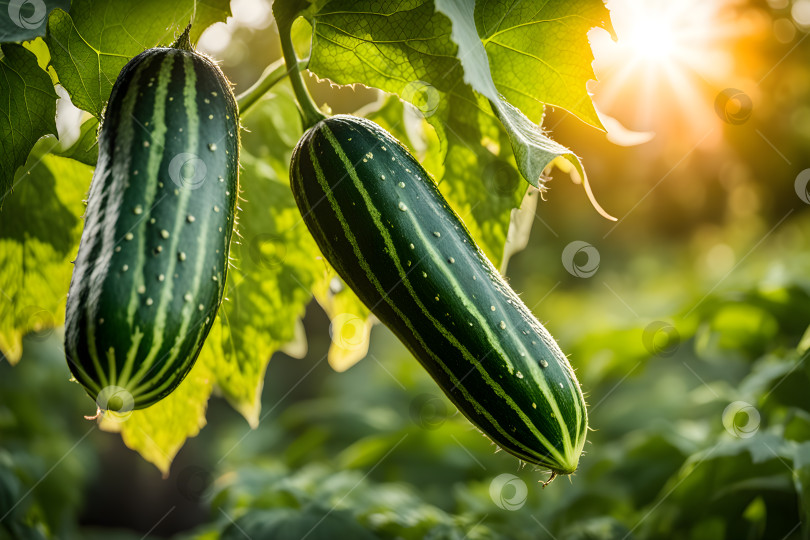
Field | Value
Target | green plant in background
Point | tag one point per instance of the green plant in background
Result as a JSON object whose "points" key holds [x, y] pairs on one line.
{"points": [[695, 377]]}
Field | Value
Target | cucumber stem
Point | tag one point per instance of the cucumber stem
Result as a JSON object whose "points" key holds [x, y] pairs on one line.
{"points": [[272, 75], [309, 111], [184, 41]]}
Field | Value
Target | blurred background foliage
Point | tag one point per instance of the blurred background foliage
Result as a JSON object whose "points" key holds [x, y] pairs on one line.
{"points": [[690, 339]]}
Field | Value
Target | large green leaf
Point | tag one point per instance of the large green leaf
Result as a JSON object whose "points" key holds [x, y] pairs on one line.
{"points": [[534, 151], [539, 53], [27, 110], [39, 232], [538, 50], [89, 48]]}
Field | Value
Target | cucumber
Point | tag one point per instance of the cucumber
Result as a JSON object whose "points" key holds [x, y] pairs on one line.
{"points": [[379, 219], [153, 257]]}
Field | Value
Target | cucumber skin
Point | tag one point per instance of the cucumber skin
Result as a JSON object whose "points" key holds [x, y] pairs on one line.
{"points": [[411, 260], [152, 297]]}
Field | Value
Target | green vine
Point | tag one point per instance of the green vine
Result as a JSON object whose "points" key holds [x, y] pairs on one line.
{"points": [[272, 75], [309, 110]]}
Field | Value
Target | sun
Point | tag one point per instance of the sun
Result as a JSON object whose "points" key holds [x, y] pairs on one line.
{"points": [[669, 61], [654, 41]]}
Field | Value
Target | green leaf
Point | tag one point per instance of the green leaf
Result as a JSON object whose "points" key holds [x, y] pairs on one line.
{"points": [[539, 52], [291, 524], [85, 149], [532, 52], [39, 232], [88, 48], [402, 47], [23, 20], [533, 150], [27, 110]]}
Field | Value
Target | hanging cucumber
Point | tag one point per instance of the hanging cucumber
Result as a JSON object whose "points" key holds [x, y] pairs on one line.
{"points": [[381, 222], [153, 257]]}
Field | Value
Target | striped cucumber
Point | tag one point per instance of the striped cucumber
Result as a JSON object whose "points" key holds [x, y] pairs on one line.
{"points": [[153, 257], [381, 222]]}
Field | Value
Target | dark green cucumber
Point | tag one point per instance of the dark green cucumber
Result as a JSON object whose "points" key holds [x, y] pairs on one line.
{"points": [[381, 222], [153, 258]]}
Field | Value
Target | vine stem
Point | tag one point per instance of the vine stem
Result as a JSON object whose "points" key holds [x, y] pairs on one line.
{"points": [[309, 111], [272, 75]]}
